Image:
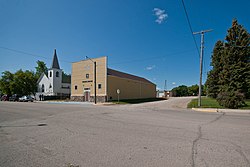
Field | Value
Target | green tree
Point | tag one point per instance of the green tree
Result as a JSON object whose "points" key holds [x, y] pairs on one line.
{"points": [[193, 90], [212, 83], [66, 78], [23, 83], [41, 68], [180, 91], [183, 90], [234, 77], [6, 82], [228, 81]]}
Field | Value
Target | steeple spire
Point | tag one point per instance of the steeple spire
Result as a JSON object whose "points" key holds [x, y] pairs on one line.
{"points": [[55, 63]]}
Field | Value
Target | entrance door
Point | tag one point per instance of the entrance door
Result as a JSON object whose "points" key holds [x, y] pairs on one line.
{"points": [[87, 96], [86, 92]]}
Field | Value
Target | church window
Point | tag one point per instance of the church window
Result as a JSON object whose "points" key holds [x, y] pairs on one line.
{"points": [[57, 74], [50, 74], [42, 87]]}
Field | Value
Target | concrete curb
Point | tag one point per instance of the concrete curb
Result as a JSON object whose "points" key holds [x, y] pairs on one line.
{"points": [[62, 102], [220, 110], [104, 104], [206, 109]]}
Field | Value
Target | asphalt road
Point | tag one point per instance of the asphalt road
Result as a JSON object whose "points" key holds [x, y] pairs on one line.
{"points": [[152, 134]]}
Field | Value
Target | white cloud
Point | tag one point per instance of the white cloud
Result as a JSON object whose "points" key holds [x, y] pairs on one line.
{"points": [[160, 14], [150, 67], [173, 83]]}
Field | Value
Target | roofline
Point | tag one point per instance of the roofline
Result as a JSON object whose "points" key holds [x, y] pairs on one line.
{"points": [[88, 59], [132, 80], [40, 78], [147, 81]]}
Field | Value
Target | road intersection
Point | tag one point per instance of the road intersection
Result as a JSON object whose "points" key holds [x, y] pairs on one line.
{"points": [[151, 134]]}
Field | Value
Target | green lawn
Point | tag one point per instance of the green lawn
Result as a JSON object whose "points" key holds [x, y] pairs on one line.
{"points": [[247, 104], [207, 102], [136, 101]]}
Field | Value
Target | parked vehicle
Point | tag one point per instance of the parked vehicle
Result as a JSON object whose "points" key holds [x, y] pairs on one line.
{"points": [[5, 98], [14, 97], [26, 98]]}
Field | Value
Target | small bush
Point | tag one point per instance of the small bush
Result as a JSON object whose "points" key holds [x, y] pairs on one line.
{"points": [[233, 99]]}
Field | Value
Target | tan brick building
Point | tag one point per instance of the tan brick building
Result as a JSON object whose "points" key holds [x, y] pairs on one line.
{"points": [[107, 83]]}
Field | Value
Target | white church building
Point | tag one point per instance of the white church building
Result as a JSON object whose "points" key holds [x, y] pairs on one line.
{"points": [[55, 82]]}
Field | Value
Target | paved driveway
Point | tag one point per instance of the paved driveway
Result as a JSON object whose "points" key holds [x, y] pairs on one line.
{"points": [[152, 134]]}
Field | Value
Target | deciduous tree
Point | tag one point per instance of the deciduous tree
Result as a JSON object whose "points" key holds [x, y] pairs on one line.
{"points": [[6, 82], [41, 68], [21, 82]]}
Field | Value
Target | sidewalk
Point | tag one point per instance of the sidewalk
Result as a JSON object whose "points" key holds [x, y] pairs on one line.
{"points": [[64, 102], [221, 110]]}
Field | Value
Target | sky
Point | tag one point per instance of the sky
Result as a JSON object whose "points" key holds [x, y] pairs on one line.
{"points": [[149, 38]]}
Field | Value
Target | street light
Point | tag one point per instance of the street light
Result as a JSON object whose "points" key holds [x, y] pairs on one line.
{"points": [[94, 74]]}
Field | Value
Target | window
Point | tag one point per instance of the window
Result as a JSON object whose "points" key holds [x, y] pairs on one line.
{"points": [[99, 86], [87, 75], [65, 87], [42, 87], [50, 86], [50, 74], [57, 74], [75, 87]]}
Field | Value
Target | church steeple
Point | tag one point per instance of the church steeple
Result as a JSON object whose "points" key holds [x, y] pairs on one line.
{"points": [[55, 63]]}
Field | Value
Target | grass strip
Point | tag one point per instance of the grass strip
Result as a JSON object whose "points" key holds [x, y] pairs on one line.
{"points": [[136, 101], [207, 102]]}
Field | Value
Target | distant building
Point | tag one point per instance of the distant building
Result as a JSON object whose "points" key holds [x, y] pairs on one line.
{"points": [[163, 94], [160, 94], [108, 83], [54, 83]]}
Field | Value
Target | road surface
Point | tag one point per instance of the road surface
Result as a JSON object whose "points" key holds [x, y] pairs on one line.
{"points": [[149, 135]]}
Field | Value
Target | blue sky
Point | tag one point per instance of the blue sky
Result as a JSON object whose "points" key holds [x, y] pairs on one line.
{"points": [[124, 30]]}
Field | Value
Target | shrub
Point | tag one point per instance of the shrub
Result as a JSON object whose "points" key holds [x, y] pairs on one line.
{"points": [[233, 99]]}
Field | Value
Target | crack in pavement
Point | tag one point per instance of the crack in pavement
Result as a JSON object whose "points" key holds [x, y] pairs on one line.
{"points": [[204, 162], [194, 147], [236, 147], [216, 119], [199, 136], [239, 150]]}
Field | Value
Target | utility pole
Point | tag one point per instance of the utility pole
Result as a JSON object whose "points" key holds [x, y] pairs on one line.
{"points": [[94, 75], [165, 89], [165, 86], [201, 60], [95, 80]]}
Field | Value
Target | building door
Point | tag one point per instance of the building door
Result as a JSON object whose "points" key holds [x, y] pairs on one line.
{"points": [[86, 94]]}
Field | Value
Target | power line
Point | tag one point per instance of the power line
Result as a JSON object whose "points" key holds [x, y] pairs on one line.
{"points": [[30, 54], [116, 63], [122, 62], [151, 58], [190, 27]]}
